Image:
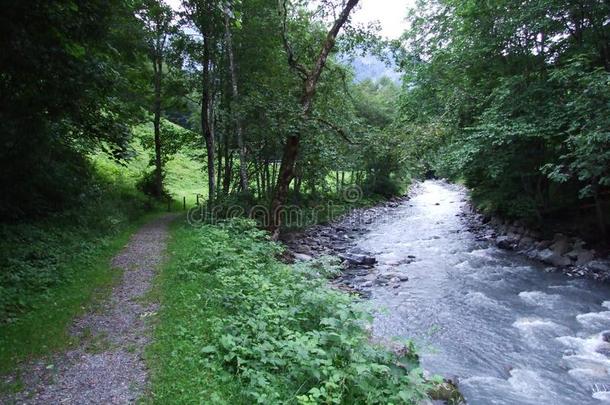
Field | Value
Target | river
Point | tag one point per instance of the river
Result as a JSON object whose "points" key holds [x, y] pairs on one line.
{"points": [[510, 331]]}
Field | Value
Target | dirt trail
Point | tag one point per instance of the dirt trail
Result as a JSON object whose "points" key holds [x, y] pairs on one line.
{"points": [[107, 366]]}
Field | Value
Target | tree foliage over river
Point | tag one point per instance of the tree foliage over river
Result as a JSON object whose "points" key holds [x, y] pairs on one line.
{"points": [[513, 97]]}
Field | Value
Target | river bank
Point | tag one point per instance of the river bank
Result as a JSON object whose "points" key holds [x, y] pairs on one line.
{"points": [[338, 239], [563, 252]]}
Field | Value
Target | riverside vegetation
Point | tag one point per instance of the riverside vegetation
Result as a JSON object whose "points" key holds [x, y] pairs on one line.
{"points": [[111, 109]]}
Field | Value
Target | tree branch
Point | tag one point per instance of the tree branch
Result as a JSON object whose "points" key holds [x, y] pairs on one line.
{"points": [[337, 129], [330, 40], [292, 61]]}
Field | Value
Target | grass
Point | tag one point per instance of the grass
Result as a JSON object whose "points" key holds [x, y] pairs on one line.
{"points": [[55, 268], [185, 176], [237, 326]]}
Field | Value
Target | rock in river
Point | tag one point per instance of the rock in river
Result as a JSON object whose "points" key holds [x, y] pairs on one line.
{"points": [[358, 259]]}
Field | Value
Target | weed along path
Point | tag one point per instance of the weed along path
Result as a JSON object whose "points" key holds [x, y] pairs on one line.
{"points": [[107, 365]]}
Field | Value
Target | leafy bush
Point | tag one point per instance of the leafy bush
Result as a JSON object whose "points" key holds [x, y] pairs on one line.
{"points": [[240, 327]]}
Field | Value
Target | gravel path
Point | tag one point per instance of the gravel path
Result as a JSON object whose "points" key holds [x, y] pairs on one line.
{"points": [[107, 367]]}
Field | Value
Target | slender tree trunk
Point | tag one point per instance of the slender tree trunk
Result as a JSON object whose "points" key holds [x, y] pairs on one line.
{"points": [[297, 187], [263, 178], [267, 178], [207, 116], [226, 185], [219, 168], [258, 182], [158, 73], [338, 184], [243, 172], [291, 147], [273, 170]]}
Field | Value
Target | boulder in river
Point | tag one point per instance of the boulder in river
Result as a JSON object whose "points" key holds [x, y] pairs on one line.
{"points": [[561, 245], [551, 257], [358, 259], [504, 242]]}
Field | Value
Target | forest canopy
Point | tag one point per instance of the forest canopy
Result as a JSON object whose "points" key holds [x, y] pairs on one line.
{"points": [[513, 98], [509, 97]]}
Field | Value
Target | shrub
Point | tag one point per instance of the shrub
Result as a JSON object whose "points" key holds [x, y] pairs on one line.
{"points": [[240, 327]]}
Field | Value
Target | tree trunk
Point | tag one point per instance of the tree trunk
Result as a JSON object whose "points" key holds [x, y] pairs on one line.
{"points": [[243, 169], [338, 184], [158, 72], [291, 147], [297, 187], [258, 182], [267, 178], [226, 185], [219, 167], [206, 117]]}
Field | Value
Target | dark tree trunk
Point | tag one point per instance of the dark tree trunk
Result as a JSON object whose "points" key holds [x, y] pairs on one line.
{"points": [[310, 81], [243, 169], [226, 185], [258, 182], [337, 182], [207, 117], [267, 178], [219, 167]]}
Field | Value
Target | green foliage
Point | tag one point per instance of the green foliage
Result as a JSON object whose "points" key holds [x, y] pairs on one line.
{"points": [[36, 256], [237, 326], [520, 98], [66, 74]]}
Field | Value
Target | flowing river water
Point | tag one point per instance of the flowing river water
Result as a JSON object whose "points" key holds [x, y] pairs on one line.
{"points": [[509, 331]]}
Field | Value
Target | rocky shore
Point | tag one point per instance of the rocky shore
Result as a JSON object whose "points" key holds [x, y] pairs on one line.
{"points": [[358, 276], [338, 239], [566, 253]]}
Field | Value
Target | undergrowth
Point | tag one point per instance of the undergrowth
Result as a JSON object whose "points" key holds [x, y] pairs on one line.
{"points": [[238, 326], [53, 268]]}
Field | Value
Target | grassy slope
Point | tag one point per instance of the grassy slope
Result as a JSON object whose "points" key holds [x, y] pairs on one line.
{"points": [[56, 267], [237, 326], [184, 177]]}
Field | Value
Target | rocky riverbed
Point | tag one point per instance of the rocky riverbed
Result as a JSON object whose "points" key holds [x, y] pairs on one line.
{"points": [[566, 253], [337, 239]]}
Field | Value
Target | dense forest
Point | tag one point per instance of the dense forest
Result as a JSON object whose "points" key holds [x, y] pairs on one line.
{"points": [[113, 111], [513, 98]]}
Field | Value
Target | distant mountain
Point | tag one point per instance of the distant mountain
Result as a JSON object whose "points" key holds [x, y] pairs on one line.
{"points": [[371, 67]]}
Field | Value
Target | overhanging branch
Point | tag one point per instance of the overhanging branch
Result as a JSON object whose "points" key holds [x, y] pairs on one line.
{"points": [[337, 129]]}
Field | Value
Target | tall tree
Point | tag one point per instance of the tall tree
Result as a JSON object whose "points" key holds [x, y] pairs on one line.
{"points": [[243, 165], [203, 15], [310, 77], [158, 23]]}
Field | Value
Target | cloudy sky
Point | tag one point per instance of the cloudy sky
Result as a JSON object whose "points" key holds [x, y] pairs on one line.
{"points": [[390, 13]]}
